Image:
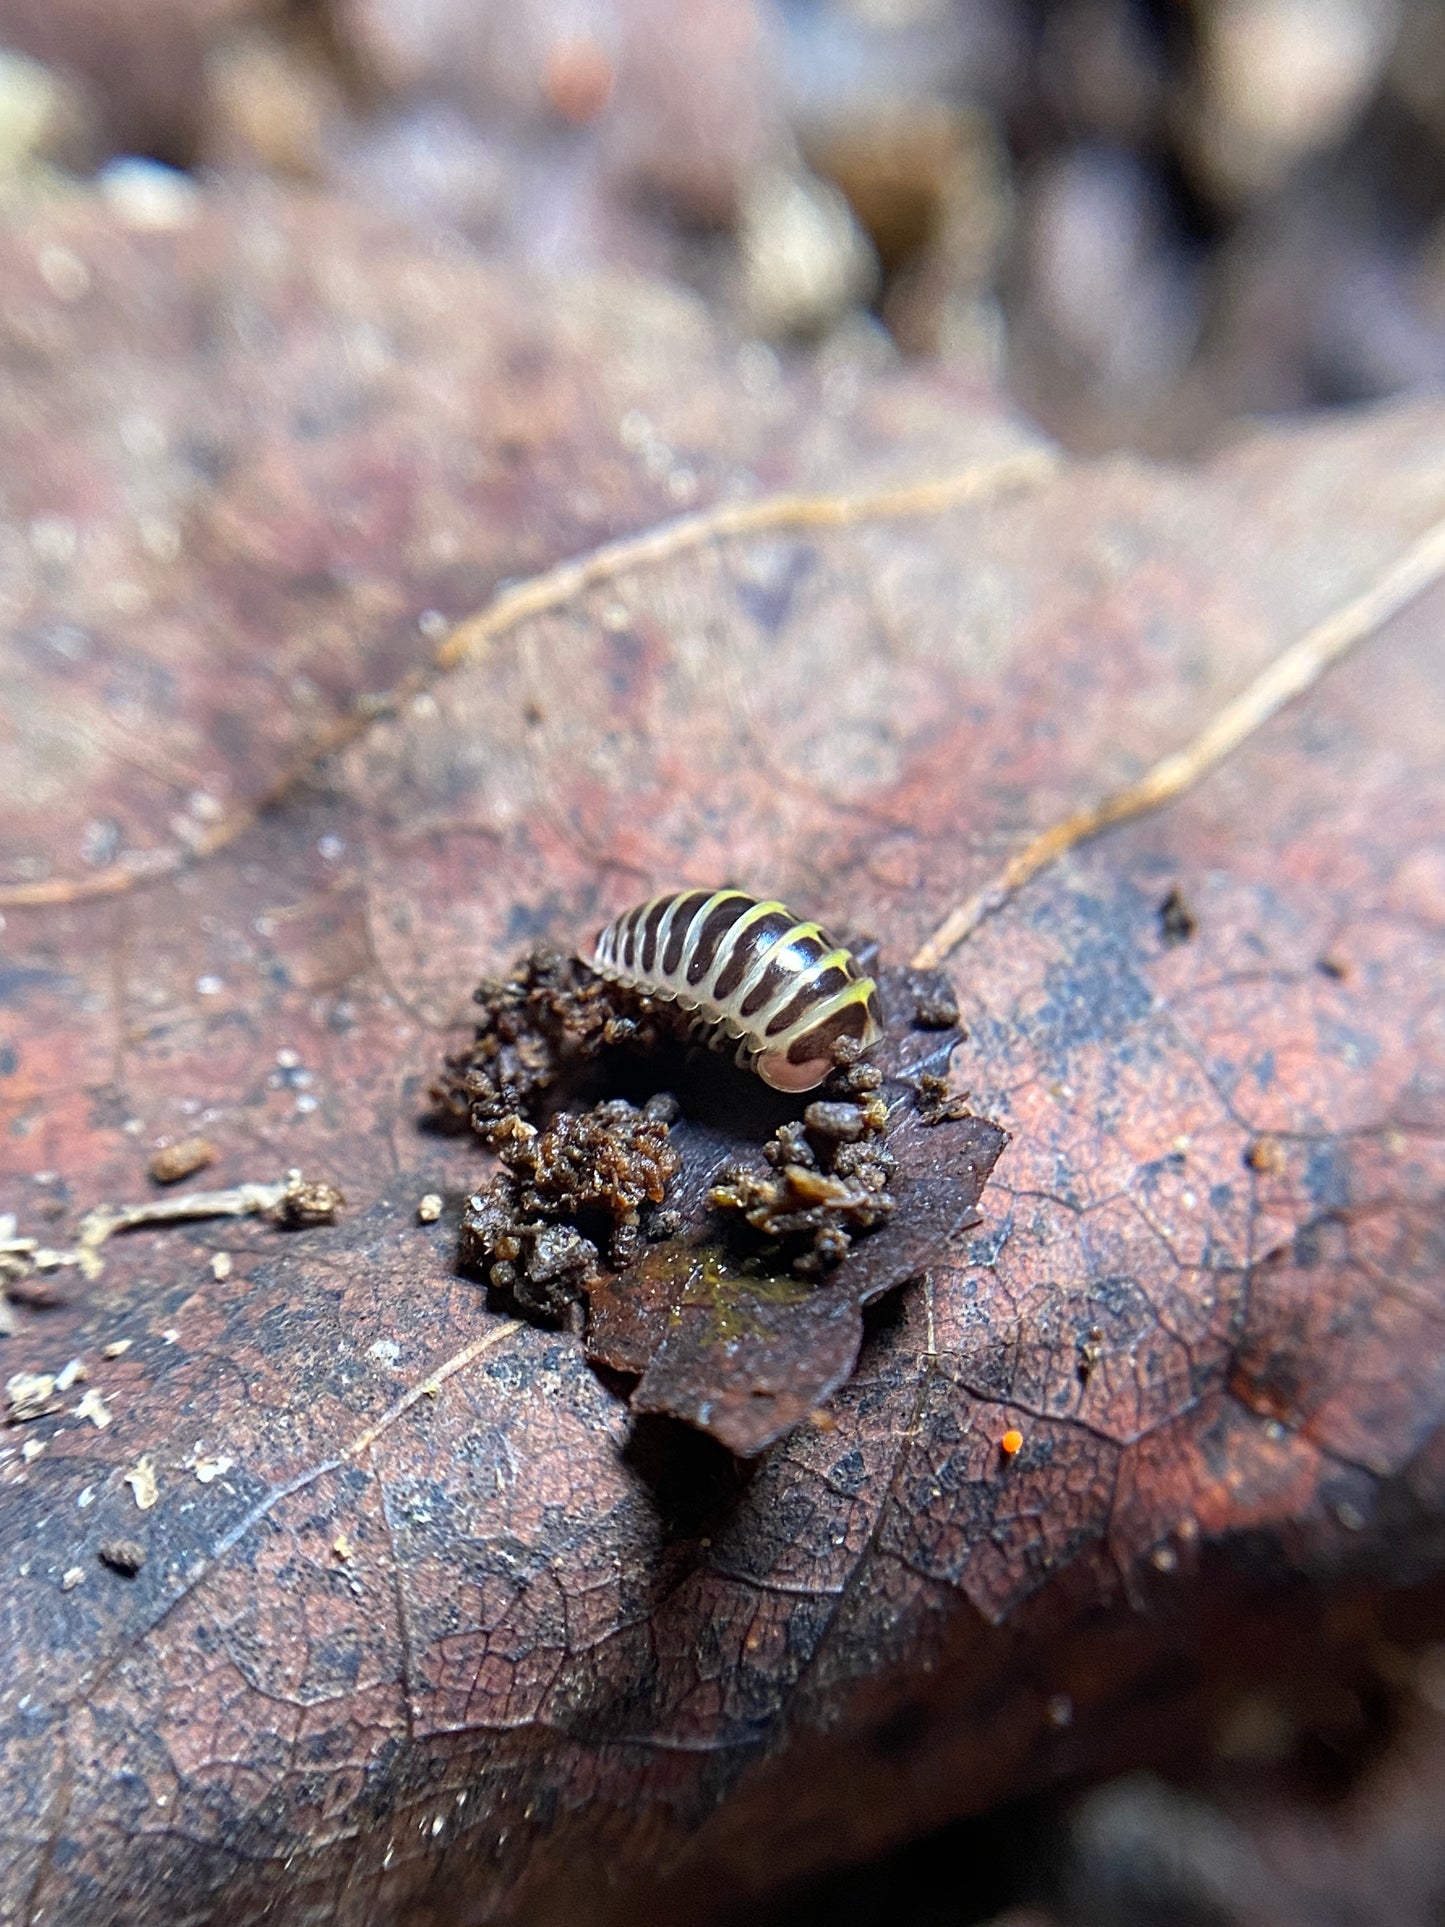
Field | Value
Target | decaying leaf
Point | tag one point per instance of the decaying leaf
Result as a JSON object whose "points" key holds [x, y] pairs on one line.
{"points": [[280, 796], [721, 1238], [721, 1332]]}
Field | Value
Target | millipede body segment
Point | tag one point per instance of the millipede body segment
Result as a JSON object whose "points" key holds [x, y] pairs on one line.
{"points": [[751, 973]]}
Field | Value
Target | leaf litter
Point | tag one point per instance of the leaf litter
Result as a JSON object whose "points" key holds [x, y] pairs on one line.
{"points": [[928, 1541]]}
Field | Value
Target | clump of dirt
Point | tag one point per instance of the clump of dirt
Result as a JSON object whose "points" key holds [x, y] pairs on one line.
{"points": [[577, 1189], [829, 1172], [937, 1104], [531, 1021], [719, 1252], [613, 1158], [125, 1556], [583, 1189], [597, 1171], [181, 1160], [302, 1204], [935, 1005], [550, 1012]]}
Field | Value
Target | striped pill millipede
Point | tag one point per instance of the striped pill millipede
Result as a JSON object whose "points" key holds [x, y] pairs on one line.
{"points": [[752, 973]]}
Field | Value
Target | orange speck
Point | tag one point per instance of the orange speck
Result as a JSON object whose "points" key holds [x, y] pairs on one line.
{"points": [[577, 80], [1011, 1442]]}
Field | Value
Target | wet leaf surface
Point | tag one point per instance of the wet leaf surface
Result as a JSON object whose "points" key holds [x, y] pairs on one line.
{"points": [[428, 1624]]}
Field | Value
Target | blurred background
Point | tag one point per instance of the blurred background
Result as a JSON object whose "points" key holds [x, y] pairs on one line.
{"points": [[1145, 221], [1144, 218]]}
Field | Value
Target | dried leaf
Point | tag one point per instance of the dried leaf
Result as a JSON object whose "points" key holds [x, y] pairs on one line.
{"points": [[892, 648]]}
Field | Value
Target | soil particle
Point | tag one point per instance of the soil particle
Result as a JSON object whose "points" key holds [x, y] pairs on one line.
{"points": [[182, 1159], [125, 1556]]}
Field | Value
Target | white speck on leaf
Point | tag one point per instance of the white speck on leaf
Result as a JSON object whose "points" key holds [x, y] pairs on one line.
{"points": [[94, 1407], [142, 1481]]}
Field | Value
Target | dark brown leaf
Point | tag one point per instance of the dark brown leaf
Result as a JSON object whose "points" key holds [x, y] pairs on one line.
{"points": [[559, 1649], [733, 1342]]}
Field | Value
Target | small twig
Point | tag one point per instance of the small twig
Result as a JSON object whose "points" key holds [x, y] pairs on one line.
{"points": [[289, 1201], [1291, 673]]}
